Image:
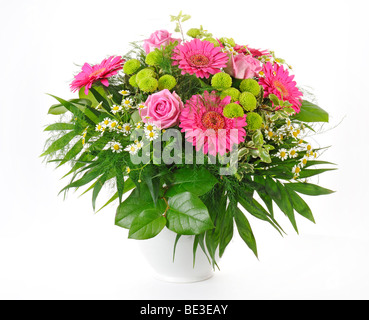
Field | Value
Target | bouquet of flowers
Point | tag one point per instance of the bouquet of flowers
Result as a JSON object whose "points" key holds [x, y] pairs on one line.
{"points": [[195, 127]]}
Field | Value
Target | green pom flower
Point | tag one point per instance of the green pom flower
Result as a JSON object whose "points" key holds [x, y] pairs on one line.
{"points": [[248, 101], [254, 121], [232, 92], [167, 82], [233, 110], [132, 81], [145, 73], [148, 84], [154, 58], [213, 41], [250, 85], [221, 81], [193, 33], [229, 41], [131, 66]]}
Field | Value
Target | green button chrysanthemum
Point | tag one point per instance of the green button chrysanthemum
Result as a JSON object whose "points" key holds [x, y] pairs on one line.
{"points": [[131, 66], [250, 85], [132, 81], [233, 110], [248, 101], [145, 73], [213, 41], [193, 33], [167, 82], [148, 84], [232, 92], [154, 58], [221, 81], [254, 121]]}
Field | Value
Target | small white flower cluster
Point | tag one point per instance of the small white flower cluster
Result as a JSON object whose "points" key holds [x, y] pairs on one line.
{"points": [[114, 125], [151, 131], [134, 147]]}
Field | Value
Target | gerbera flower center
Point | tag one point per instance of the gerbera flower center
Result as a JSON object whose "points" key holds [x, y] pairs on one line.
{"points": [[213, 120], [97, 72], [199, 60], [280, 86]]}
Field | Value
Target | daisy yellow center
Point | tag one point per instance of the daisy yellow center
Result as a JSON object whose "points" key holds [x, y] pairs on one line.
{"points": [[150, 127], [270, 134], [97, 72], [293, 152], [99, 127], [106, 122], [151, 134], [297, 170], [213, 120], [199, 60], [116, 108], [283, 154], [116, 147], [304, 161], [133, 148], [308, 147], [128, 128], [280, 87]]}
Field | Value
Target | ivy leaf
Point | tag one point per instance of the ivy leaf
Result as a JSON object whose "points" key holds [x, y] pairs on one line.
{"points": [[188, 215], [147, 224]]}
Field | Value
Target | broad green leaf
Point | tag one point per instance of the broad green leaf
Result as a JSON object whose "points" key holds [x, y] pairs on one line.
{"points": [[60, 126], [264, 195], [197, 182], [311, 113], [226, 230], [128, 210], [300, 205], [308, 188], [245, 231], [120, 181], [147, 224], [175, 245], [72, 153], [60, 143], [86, 178], [100, 98], [188, 215]]}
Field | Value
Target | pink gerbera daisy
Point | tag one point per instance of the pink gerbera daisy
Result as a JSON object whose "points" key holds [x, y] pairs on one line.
{"points": [[276, 80], [99, 72], [205, 126], [200, 58]]}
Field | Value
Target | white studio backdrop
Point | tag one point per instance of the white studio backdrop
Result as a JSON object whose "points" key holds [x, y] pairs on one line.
{"points": [[56, 249]]}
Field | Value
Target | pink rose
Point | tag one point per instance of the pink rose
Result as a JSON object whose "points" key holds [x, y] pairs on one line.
{"points": [[157, 39], [243, 66], [162, 109]]}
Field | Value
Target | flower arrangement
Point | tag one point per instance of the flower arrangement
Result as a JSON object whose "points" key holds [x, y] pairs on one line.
{"points": [[195, 129]]}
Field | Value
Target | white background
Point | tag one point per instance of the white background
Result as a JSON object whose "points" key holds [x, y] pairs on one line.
{"points": [[56, 249]]}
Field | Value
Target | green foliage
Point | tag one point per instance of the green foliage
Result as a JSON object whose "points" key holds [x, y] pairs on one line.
{"points": [[311, 113]]}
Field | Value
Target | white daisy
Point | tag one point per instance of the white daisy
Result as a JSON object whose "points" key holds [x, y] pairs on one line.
{"points": [[304, 161], [141, 106], [269, 134], [100, 127], [106, 122], [152, 135], [127, 103], [139, 144], [124, 92], [282, 154], [113, 125], [115, 109], [126, 129], [116, 147], [139, 125], [296, 171], [132, 149], [293, 153]]}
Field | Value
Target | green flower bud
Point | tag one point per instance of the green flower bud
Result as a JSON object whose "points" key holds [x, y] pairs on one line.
{"points": [[213, 41], [167, 82], [254, 121], [248, 101], [250, 85], [193, 33], [132, 81], [145, 73], [148, 84], [232, 92], [131, 66], [154, 58], [221, 81], [233, 110]]}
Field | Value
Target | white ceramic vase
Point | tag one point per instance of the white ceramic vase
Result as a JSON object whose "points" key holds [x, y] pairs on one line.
{"points": [[158, 252]]}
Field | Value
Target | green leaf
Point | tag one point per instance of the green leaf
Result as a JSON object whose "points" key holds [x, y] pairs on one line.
{"points": [[280, 196], [307, 173], [188, 215], [60, 126], [86, 178], [60, 143], [98, 186], [147, 224], [308, 188], [120, 181], [244, 229], [300, 205], [197, 182], [138, 201], [90, 96], [311, 113], [226, 230], [72, 153]]}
